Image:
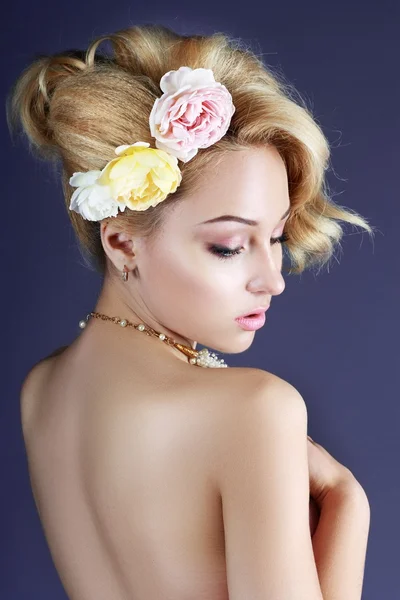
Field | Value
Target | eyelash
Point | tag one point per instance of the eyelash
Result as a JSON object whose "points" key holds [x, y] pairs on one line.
{"points": [[220, 251]]}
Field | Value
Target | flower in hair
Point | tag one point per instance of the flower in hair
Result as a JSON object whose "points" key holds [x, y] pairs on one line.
{"points": [[92, 200], [138, 178], [194, 112], [141, 176]]}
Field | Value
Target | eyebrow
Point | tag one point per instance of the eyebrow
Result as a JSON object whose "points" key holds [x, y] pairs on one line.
{"points": [[239, 219]]}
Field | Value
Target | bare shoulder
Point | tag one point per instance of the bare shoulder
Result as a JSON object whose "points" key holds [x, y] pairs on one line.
{"points": [[239, 401], [259, 401], [243, 386], [41, 365], [266, 388], [35, 373], [252, 391], [30, 386], [247, 377]]}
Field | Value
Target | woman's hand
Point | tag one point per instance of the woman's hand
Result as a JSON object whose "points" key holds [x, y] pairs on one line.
{"points": [[326, 474]]}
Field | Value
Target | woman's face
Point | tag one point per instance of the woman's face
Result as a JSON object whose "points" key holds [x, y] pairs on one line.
{"points": [[186, 287]]}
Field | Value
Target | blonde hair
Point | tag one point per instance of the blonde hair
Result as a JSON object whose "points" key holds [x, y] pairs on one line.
{"points": [[79, 106]]}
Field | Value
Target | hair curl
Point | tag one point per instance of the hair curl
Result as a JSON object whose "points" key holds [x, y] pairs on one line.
{"points": [[78, 106]]}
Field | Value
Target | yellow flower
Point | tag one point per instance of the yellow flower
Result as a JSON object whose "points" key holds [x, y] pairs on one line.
{"points": [[141, 176]]}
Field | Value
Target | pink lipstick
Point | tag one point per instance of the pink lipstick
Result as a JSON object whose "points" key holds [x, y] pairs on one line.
{"points": [[252, 321]]}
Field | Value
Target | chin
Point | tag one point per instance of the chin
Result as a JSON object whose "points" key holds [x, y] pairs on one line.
{"points": [[236, 347]]}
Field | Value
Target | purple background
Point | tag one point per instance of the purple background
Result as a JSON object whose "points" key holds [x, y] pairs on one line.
{"points": [[334, 336]]}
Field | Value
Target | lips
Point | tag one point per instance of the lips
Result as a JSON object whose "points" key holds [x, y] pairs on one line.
{"points": [[252, 323], [255, 312]]}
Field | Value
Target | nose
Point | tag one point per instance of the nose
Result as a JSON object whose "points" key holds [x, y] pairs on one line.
{"points": [[268, 278]]}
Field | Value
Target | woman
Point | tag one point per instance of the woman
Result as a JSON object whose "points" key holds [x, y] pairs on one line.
{"points": [[186, 166]]}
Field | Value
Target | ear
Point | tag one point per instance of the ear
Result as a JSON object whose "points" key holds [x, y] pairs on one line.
{"points": [[118, 245]]}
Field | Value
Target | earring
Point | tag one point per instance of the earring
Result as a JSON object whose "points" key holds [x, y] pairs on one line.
{"points": [[125, 273]]}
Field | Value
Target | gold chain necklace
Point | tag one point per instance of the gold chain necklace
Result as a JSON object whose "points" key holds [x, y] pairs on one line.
{"points": [[200, 358]]}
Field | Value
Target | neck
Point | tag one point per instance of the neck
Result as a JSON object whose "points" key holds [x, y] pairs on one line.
{"points": [[117, 300]]}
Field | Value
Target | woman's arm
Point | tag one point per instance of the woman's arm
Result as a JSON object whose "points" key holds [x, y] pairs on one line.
{"points": [[340, 542]]}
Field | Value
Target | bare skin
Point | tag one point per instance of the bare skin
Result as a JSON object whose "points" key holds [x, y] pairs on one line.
{"points": [[119, 428], [120, 478]]}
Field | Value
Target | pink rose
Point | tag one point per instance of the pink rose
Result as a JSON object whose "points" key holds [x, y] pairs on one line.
{"points": [[194, 112]]}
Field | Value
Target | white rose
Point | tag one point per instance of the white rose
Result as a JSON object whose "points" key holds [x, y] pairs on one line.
{"points": [[93, 200]]}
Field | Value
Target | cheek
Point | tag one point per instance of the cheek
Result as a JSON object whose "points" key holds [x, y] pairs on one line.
{"points": [[190, 285]]}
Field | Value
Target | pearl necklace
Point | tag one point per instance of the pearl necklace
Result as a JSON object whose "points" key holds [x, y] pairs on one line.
{"points": [[200, 358]]}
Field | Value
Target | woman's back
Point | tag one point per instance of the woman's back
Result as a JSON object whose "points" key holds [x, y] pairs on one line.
{"points": [[119, 442]]}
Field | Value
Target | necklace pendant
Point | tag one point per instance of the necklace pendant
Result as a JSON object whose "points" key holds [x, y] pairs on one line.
{"points": [[209, 360]]}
